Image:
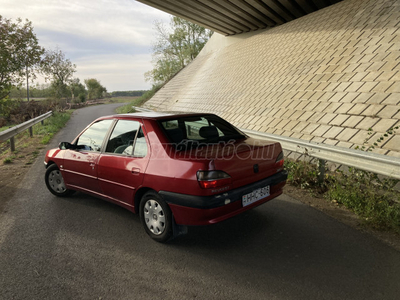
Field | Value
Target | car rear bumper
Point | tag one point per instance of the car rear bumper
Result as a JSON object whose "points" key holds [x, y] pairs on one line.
{"points": [[203, 210]]}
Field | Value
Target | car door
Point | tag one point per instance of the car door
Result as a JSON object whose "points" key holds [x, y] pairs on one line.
{"points": [[80, 165], [122, 165]]}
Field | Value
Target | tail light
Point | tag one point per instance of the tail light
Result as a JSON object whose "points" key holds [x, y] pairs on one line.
{"points": [[212, 179], [279, 161]]}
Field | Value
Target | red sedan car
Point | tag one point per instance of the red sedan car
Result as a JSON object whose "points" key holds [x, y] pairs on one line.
{"points": [[174, 170]]}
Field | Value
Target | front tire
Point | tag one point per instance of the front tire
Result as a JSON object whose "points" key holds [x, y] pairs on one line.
{"points": [[156, 217], [55, 182]]}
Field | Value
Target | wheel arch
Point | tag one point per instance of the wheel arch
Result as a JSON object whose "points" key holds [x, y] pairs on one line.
{"points": [[138, 197], [49, 163]]}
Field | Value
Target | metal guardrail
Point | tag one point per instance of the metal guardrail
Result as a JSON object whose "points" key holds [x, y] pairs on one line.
{"points": [[13, 131], [367, 161]]}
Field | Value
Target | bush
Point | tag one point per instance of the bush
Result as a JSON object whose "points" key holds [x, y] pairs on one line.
{"points": [[7, 106], [372, 197], [301, 173], [82, 97]]}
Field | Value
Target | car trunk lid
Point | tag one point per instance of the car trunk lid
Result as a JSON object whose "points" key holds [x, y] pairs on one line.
{"points": [[245, 161]]}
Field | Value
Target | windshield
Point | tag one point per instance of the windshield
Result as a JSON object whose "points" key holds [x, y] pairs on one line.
{"points": [[200, 130]]}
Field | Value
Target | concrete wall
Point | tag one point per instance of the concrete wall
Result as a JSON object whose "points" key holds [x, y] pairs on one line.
{"points": [[327, 77]]}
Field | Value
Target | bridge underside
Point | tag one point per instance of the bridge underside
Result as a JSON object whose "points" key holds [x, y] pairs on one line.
{"points": [[239, 16], [331, 77]]}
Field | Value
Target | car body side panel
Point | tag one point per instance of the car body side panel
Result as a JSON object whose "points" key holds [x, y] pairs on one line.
{"points": [[80, 169], [173, 176], [165, 171], [120, 176], [54, 155]]}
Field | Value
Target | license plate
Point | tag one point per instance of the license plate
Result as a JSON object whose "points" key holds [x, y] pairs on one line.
{"points": [[255, 195]]}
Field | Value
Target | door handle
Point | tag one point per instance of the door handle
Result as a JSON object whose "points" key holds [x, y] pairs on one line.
{"points": [[92, 165], [135, 171]]}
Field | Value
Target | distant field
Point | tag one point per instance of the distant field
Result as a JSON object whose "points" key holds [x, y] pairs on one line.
{"points": [[112, 99], [123, 99], [30, 98]]}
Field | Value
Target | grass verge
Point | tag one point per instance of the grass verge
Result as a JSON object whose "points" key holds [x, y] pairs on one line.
{"points": [[138, 101], [42, 135], [51, 126], [374, 199]]}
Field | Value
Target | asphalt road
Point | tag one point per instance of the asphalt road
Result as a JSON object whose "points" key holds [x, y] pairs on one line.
{"points": [[84, 248]]}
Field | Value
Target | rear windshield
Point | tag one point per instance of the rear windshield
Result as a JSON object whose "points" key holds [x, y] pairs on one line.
{"points": [[200, 130]]}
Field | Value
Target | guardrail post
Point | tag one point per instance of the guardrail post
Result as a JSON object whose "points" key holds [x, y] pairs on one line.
{"points": [[321, 169], [13, 131], [12, 144]]}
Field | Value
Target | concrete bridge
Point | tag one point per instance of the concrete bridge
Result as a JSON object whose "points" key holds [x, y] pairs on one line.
{"points": [[331, 75]]}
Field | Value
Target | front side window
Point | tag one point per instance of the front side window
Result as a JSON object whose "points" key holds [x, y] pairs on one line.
{"points": [[127, 138], [122, 138], [92, 138]]}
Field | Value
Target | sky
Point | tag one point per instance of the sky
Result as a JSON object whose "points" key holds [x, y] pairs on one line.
{"points": [[109, 40]]}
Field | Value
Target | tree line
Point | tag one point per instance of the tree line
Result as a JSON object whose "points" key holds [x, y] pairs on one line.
{"points": [[22, 59], [75, 90], [128, 93], [175, 47]]}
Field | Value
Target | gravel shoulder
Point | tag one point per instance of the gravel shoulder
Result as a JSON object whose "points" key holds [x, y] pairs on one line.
{"points": [[342, 214], [12, 174]]}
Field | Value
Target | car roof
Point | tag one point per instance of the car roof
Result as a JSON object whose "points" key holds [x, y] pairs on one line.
{"points": [[155, 115]]}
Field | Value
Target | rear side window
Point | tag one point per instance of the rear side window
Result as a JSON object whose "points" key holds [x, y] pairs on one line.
{"points": [[140, 149], [92, 138]]}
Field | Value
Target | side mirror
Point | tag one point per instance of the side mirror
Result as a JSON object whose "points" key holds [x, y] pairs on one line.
{"points": [[65, 145]]}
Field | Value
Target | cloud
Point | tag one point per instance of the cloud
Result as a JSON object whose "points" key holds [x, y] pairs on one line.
{"points": [[78, 46], [109, 40], [123, 72]]}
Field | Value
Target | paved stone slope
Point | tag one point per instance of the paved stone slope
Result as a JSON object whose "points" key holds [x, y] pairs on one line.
{"points": [[327, 77]]}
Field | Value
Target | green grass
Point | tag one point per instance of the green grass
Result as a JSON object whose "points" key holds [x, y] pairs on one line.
{"points": [[51, 126], [43, 133], [373, 198], [4, 128], [122, 99], [302, 174], [33, 157], [138, 101], [10, 159], [7, 160]]}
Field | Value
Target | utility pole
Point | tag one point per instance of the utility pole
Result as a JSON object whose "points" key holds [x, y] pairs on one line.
{"points": [[27, 83]]}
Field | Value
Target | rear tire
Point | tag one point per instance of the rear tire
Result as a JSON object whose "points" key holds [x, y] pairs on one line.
{"points": [[55, 182], [156, 217]]}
